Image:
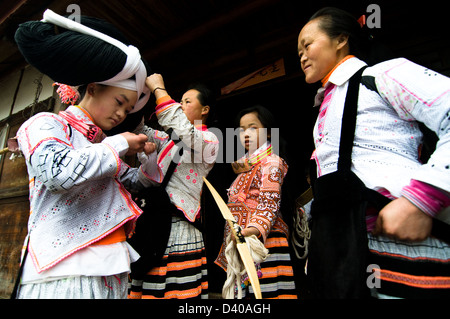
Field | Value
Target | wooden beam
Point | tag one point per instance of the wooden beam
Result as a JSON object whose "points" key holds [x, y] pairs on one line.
{"points": [[12, 9]]}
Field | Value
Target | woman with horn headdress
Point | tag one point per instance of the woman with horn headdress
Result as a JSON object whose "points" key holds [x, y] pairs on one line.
{"points": [[81, 213]]}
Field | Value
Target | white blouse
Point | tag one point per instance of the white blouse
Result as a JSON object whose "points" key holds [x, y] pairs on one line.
{"points": [[387, 137]]}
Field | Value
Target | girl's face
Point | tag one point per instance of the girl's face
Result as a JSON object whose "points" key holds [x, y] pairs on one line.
{"points": [[252, 132], [108, 105], [318, 53], [192, 107]]}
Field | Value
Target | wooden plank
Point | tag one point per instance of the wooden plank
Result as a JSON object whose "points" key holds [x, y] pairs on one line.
{"points": [[13, 227], [266, 73]]}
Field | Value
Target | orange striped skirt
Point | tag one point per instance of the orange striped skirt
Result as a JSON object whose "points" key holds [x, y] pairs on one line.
{"points": [[182, 273], [277, 280]]}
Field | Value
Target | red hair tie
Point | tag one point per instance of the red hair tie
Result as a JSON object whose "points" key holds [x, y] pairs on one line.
{"points": [[362, 20]]}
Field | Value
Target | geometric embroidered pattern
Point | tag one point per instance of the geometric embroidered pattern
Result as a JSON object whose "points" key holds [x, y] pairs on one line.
{"points": [[414, 281]]}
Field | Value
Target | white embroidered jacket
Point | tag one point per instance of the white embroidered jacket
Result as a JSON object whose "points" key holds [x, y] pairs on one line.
{"points": [[76, 194], [387, 137], [200, 151]]}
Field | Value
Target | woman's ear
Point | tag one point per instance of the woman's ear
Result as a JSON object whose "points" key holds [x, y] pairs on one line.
{"points": [[342, 41], [205, 110], [91, 88]]}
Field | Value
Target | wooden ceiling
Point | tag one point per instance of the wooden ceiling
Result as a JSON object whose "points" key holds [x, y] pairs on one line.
{"points": [[219, 41]]}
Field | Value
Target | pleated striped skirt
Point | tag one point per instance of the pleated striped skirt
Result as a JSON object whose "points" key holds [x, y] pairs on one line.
{"points": [[277, 280], [77, 287], [183, 272], [409, 269]]}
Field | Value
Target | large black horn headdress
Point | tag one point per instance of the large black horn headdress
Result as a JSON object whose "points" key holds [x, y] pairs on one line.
{"points": [[92, 51]]}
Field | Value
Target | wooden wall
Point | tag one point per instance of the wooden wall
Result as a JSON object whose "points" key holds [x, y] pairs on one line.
{"points": [[14, 203]]}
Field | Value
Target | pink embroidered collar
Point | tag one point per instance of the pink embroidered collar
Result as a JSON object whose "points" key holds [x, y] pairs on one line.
{"points": [[80, 120]]}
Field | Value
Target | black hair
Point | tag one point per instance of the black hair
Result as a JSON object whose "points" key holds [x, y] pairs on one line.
{"points": [[335, 22]]}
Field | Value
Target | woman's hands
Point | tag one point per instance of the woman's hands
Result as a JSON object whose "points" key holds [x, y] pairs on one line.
{"points": [[402, 220], [155, 83], [246, 232], [138, 143]]}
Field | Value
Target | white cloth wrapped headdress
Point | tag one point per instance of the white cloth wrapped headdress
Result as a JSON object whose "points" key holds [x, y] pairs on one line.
{"points": [[133, 66]]}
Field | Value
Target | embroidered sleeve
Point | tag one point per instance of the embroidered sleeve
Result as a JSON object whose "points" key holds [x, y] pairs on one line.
{"points": [[204, 144], [45, 142], [429, 199], [147, 175], [269, 201], [118, 143], [420, 94], [150, 173], [155, 136]]}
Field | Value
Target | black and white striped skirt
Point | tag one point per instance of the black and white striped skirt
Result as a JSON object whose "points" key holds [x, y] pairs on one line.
{"points": [[183, 271]]}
